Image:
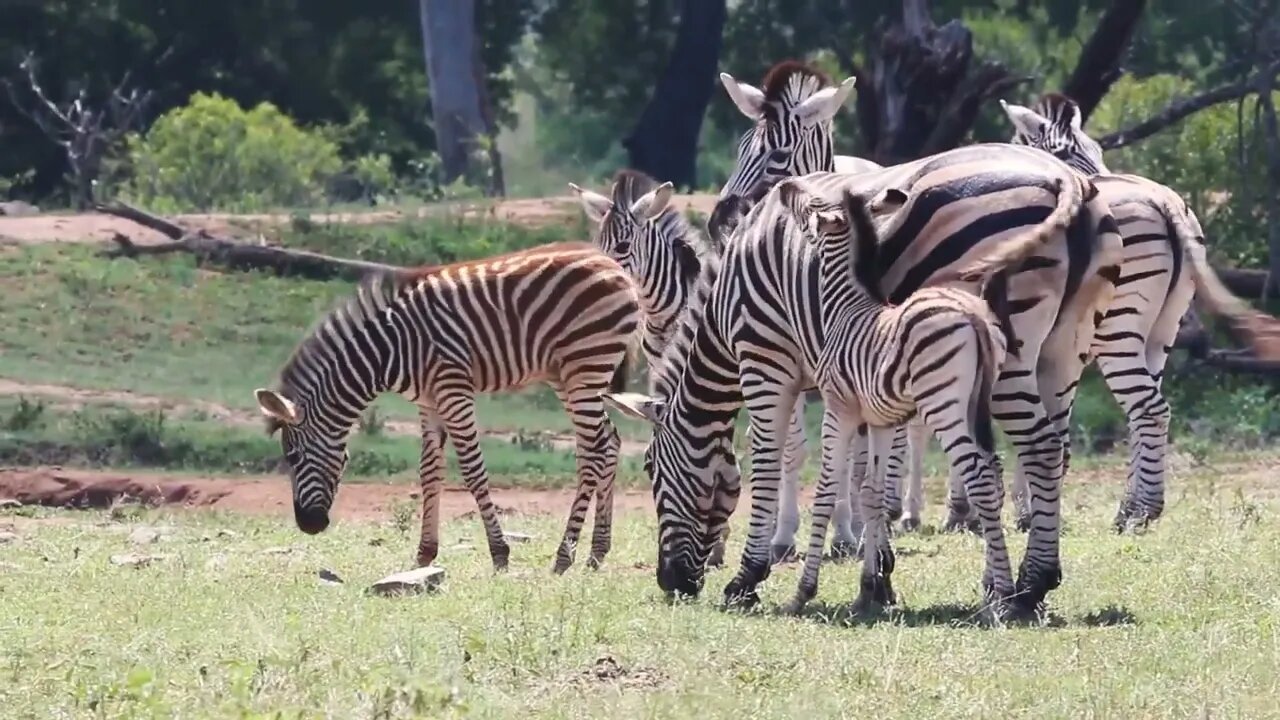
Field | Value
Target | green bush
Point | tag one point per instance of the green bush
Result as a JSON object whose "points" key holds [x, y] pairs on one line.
{"points": [[213, 154]]}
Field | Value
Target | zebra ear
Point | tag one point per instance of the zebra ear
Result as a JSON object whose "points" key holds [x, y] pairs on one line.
{"points": [[653, 203], [824, 104], [748, 98], [277, 407], [595, 204], [636, 405], [1025, 120]]}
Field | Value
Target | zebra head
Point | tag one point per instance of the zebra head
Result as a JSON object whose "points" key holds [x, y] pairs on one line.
{"points": [[683, 489], [622, 219], [314, 457], [791, 134], [1053, 125]]}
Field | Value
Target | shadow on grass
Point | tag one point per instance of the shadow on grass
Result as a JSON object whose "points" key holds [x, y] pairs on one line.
{"points": [[958, 615]]}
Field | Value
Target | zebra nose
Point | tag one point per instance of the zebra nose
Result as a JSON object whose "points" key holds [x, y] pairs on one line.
{"points": [[311, 520], [677, 578]]}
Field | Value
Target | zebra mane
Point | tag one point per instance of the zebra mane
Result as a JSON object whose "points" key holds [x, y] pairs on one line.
{"points": [[676, 355], [629, 185], [1057, 108], [791, 81], [375, 293]]}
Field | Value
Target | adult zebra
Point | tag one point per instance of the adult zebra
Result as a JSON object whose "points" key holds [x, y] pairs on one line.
{"points": [[1162, 240], [637, 227], [935, 356], [563, 314], [758, 337]]}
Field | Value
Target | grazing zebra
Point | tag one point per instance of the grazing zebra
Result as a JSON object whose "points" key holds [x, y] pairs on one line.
{"points": [[639, 229], [936, 355], [757, 339], [561, 314], [1162, 238]]}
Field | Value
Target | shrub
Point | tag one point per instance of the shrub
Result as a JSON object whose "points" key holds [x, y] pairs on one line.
{"points": [[213, 154]]}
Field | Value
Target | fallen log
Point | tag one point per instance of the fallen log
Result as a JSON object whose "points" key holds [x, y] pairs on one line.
{"points": [[234, 254]]}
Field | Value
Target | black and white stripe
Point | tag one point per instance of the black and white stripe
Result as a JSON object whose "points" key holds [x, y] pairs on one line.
{"points": [[561, 314], [1163, 267], [758, 339], [934, 356]]}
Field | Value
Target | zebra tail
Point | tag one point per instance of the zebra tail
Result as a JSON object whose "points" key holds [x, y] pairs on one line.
{"points": [[1258, 330], [990, 357], [1071, 198]]}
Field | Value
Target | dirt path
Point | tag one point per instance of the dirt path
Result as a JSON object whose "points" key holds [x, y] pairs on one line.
{"points": [[72, 397], [94, 227], [269, 495]]}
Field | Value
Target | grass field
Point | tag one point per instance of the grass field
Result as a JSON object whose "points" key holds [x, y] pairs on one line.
{"points": [[1182, 621]]}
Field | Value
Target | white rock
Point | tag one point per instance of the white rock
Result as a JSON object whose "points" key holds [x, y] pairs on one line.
{"points": [[517, 537], [409, 582], [7, 537], [144, 536], [277, 551], [136, 561], [9, 503]]}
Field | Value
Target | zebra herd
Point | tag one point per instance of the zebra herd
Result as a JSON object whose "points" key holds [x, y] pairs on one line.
{"points": [[937, 295]]}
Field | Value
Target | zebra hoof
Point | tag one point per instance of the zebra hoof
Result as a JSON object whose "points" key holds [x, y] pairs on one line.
{"points": [[973, 526], [845, 550], [594, 562], [895, 514], [562, 565], [910, 524], [1023, 523], [875, 594], [781, 554], [738, 599], [954, 524]]}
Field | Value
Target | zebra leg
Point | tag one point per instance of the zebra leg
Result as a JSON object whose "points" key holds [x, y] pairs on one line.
{"points": [[769, 406], [917, 441], [431, 468], [979, 471], [893, 475], [458, 415], [783, 546], [597, 457], [837, 435], [847, 542], [876, 587], [961, 514], [725, 501]]}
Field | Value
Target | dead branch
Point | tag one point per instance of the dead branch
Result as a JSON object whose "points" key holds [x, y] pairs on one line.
{"points": [[1181, 109], [1099, 65], [233, 254]]}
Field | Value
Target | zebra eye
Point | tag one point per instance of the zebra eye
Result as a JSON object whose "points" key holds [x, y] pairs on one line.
{"points": [[780, 156], [623, 247]]}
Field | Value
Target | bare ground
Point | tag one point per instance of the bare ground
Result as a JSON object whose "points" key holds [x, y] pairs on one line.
{"points": [[74, 397], [269, 495], [96, 227]]}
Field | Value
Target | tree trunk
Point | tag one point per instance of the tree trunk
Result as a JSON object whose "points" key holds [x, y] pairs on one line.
{"points": [[1099, 64], [464, 127], [1271, 143], [923, 86], [664, 143]]}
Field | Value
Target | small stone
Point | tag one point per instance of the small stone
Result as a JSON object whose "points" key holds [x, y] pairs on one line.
{"points": [[7, 537], [225, 533], [410, 582], [329, 577], [517, 537], [135, 561], [277, 551], [144, 536]]}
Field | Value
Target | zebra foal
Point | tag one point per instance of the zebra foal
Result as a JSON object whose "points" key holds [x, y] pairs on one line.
{"points": [[935, 355], [562, 314]]}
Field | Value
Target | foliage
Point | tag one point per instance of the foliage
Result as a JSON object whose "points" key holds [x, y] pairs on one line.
{"points": [[213, 154], [1221, 178], [1178, 621]]}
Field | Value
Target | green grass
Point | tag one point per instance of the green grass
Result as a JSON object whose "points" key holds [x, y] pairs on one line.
{"points": [[1179, 622], [99, 436]]}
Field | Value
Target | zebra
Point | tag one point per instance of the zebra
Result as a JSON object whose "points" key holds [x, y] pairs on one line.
{"points": [[564, 314], [757, 339], [650, 239], [1162, 239], [936, 355], [791, 135]]}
